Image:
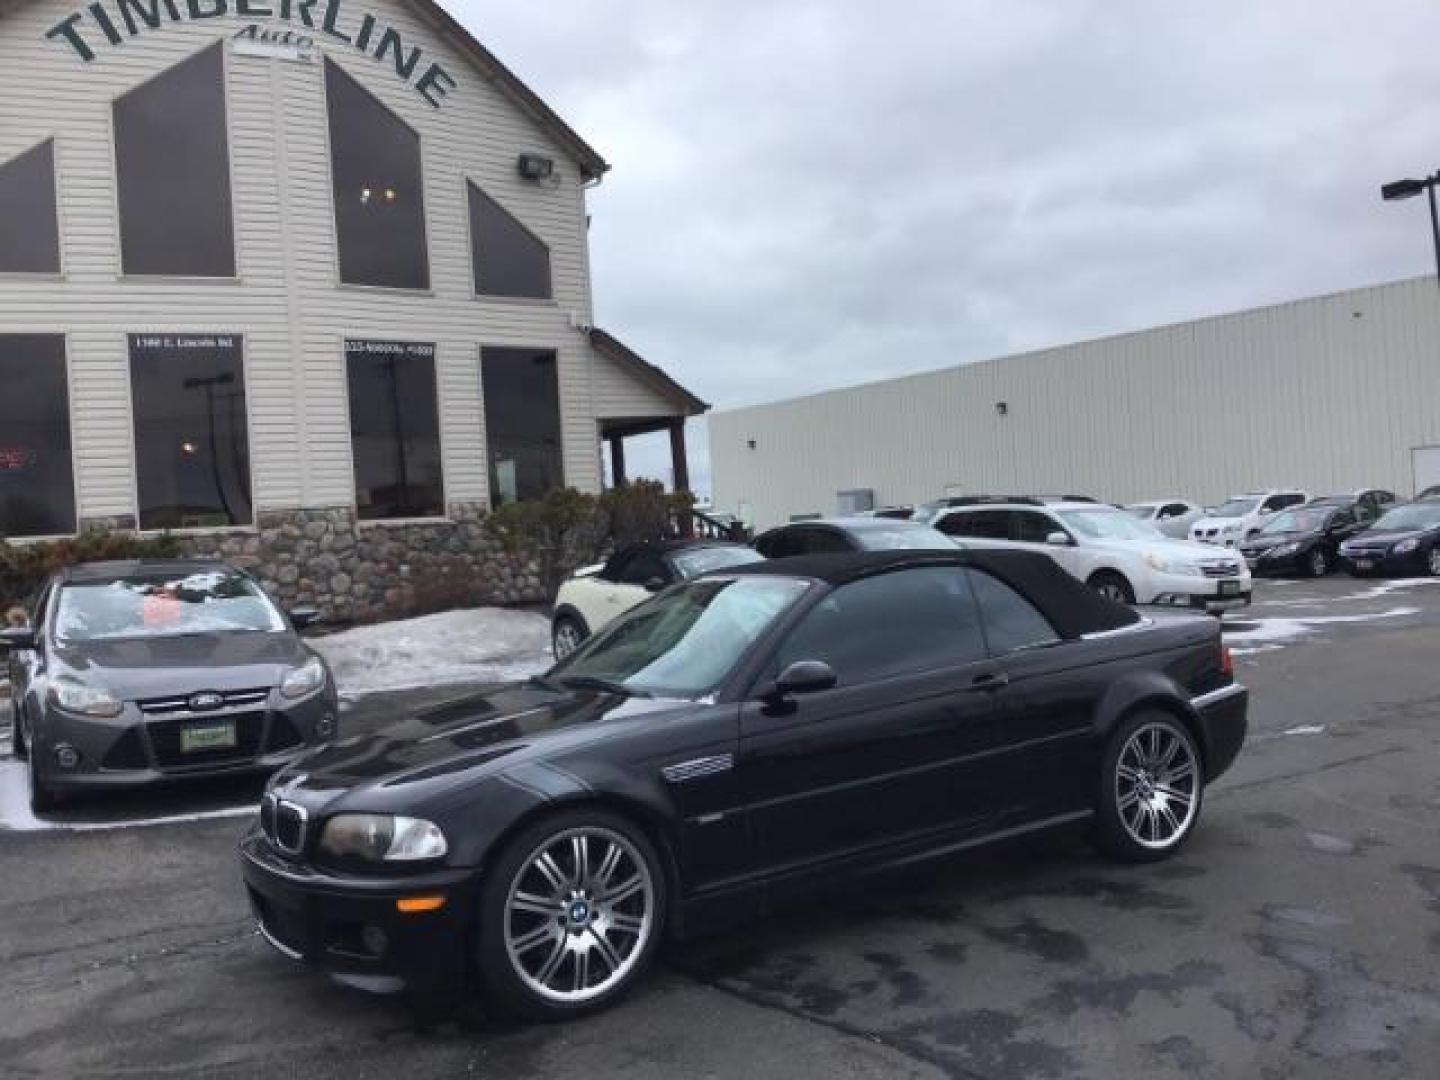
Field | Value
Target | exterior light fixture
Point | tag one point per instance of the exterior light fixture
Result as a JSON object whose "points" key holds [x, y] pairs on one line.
{"points": [[189, 448], [1002, 407], [536, 167]]}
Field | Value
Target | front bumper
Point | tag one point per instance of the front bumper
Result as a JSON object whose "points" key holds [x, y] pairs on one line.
{"points": [[138, 749], [1277, 565], [349, 925], [1198, 593], [1224, 719], [1361, 563]]}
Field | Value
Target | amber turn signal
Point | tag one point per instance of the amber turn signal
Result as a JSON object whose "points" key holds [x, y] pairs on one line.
{"points": [[416, 905]]}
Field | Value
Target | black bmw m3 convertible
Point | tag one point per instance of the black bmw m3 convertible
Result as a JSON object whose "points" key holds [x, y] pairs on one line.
{"points": [[733, 741]]}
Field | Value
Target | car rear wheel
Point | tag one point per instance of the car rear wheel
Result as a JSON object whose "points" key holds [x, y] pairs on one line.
{"points": [[1152, 785], [1432, 561], [1113, 586], [571, 916], [1317, 563], [566, 635]]}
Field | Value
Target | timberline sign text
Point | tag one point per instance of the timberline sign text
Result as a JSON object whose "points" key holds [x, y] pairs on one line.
{"points": [[97, 25]]}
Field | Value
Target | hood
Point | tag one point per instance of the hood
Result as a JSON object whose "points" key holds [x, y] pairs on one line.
{"points": [[1165, 547], [587, 571], [1207, 521], [1266, 541], [1388, 536], [134, 668], [437, 749]]}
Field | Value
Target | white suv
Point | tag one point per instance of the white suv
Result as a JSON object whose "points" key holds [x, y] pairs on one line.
{"points": [[1242, 516], [1117, 555]]}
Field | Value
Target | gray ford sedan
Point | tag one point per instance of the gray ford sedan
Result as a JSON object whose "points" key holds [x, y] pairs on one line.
{"points": [[133, 673]]}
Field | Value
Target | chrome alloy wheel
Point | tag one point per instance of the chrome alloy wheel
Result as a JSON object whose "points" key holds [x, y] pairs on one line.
{"points": [[567, 640], [579, 914], [1157, 786], [1318, 563], [1433, 561], [1111, 590]]}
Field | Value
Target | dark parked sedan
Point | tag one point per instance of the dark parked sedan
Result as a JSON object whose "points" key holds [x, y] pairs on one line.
{"points": [[1303, 540], [733, 741], [829, 536], [138, 672], [1406, 540]]}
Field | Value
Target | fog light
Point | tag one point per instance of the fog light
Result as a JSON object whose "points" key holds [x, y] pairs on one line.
{"points": [[325, 726], [375, 939], [66, 756]]}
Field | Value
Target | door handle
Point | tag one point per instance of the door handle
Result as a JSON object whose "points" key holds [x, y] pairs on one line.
{"points": [[990, 681]]}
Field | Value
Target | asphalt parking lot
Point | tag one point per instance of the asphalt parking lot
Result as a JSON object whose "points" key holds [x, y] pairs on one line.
{"points": [[1298, 935]]}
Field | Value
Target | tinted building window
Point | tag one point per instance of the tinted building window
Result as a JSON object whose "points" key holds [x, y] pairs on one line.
{"points": [[37, 486], [192, 450], [892, 624], [395, 430], [172, 168], [29, 227], [509, 259], [522, 423], [379, 194]]}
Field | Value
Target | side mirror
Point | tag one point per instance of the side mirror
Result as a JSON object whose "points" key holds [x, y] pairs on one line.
{"points": [[1057, 539], [806, 677], [302, 617], [655, 584], [17, 638], [1265, 511]]}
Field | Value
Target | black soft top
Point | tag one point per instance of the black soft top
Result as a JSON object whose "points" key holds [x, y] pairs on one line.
{"points": [[1072, 607]]}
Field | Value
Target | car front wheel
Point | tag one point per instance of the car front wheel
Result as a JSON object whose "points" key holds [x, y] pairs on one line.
{"points": [[17, 732], [571, 915], [42, 798], [1432, 561], [1319, 566], [1113, 586], [1151, 787], [567, 635]]}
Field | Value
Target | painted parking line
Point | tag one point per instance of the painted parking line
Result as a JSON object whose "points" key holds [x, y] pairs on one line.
{"points": [[16, 816]]}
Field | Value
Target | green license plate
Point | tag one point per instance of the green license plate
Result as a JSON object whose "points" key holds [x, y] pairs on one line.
{"points": [[1229, 588], [214, 736]]}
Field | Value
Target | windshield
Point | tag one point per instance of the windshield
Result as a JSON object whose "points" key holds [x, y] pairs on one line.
{"points": [[685, 641], [213, 602], [1312, 519], [697, 561], [1108, 525], [902, 538], [1235, 508], [1143, 513], [1414, 516]]}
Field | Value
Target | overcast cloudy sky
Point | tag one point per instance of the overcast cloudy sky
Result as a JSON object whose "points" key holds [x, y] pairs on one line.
{"points": [[813, 193]]}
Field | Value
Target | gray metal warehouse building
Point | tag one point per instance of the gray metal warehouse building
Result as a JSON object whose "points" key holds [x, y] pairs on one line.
{"points": [[1328, 394]]}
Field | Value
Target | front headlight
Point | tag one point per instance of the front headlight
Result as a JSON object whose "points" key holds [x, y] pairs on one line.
{"points": [[75, 697], [307, 679], [382, 838], [1172, 566], [1285, 549], [1405, 547]]}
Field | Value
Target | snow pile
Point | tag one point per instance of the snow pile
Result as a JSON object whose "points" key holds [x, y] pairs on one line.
{"points": [[477, 645]]}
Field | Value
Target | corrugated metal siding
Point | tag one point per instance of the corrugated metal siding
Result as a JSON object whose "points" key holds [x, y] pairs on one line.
{"points": [[1329, 394], [287, 303]]}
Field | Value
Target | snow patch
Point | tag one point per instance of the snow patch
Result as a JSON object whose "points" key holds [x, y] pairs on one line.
{"points": [[470, 646], [1306, 729], [1261, 631]]}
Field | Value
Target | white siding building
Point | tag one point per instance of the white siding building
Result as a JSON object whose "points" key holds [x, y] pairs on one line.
{"points": [[1329, 394], [265, 257]]}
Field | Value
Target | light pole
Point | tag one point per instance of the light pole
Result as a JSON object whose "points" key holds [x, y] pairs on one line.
{"points": [[1397, 190]]}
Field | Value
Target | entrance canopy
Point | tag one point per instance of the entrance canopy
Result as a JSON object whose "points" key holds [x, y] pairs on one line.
{"points": [[639, 398]]}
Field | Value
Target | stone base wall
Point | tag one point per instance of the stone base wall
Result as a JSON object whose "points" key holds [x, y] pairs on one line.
{"points": [[369, 571]]}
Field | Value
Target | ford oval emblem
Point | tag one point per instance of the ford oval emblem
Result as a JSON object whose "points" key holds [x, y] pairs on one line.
{"points": [[206, 701]]}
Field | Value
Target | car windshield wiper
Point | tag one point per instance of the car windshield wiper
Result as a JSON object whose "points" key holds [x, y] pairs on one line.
{"points": [[594, 682]]}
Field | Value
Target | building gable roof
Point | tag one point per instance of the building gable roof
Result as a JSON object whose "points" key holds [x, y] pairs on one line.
{"points": [[627, 358], [592, 165]]}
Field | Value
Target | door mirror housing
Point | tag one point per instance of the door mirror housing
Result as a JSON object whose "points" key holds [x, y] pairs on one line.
{"points": [[805, 677], [655, 584], [17, 638], [301, 617], [1057, 539]]}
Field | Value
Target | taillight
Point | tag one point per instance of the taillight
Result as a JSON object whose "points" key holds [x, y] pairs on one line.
{"points": [[1227, 662]]}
